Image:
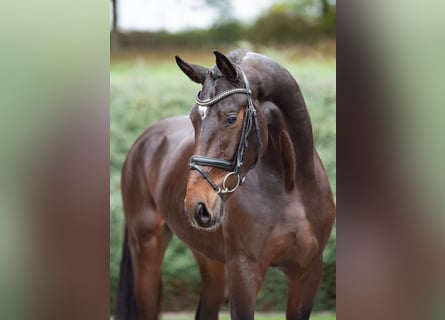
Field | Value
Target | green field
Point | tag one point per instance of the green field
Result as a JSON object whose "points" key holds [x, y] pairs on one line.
{"points": [[264, 317], [257, 317], [144, 90], [281, 318]]}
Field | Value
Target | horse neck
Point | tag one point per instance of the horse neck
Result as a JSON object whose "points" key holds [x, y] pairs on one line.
{"points": [[276, 85]]}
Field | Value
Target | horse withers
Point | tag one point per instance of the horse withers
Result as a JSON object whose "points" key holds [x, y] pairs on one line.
{"points": [[239, 182]]}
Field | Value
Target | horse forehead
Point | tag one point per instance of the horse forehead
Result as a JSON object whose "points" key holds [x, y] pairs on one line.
{"points": [[208, 93], [203, 111]]}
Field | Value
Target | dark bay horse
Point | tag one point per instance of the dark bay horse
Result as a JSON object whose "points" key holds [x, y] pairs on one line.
{"points": [[241, 184]]}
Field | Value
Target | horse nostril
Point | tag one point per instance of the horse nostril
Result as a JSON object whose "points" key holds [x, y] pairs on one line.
{"points": [[202, 216]]}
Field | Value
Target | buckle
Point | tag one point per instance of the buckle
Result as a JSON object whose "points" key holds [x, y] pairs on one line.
{"points": [[227, 190]]}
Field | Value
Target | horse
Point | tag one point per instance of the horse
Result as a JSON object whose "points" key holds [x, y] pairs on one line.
{"points": [[239, 182]]}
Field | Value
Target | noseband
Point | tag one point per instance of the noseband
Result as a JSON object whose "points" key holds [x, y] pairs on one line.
{"points": [[197, 161]]}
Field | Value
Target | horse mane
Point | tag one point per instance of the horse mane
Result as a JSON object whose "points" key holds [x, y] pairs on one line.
{"points": [[237, 55], [270, 82]]}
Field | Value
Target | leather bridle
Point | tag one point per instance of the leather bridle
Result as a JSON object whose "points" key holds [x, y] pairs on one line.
{"points": [[250, 116]]}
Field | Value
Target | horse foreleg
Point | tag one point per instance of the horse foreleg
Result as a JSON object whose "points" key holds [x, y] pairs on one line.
{"points": [[213, 283], [301, 292], [245, 279], [147, 250]]}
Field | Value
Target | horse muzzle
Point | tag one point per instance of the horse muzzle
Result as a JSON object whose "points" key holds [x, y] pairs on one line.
{"points": [[204, 214]]}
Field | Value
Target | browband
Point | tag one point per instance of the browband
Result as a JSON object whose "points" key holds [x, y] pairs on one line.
{"points": [[209, 102]]}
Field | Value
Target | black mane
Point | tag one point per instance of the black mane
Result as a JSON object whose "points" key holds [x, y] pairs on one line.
{"points": [[237, 55]]}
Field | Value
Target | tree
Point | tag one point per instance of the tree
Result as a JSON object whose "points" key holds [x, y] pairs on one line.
{"points": [[224, 8], [325, 7], [114, 5], [115, 38], [321, 8]]}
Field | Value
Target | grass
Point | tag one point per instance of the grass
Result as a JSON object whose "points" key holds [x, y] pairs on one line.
{"points": [[144, 90], [281, 317], [262, 316]]}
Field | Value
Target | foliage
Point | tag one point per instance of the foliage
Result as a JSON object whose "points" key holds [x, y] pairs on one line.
{"points": [[224, 9], [274, 316], [290, 21], [285, 22], [143, 92]]}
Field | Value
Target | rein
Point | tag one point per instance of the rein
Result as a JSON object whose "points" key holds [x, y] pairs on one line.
{"points": [[250, 116]]}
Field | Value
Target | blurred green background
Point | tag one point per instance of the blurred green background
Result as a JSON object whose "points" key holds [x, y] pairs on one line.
{"points": [[146, 86]]}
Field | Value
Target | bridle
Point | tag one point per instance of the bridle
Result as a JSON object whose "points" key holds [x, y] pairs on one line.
{"points": [[250, 116]]}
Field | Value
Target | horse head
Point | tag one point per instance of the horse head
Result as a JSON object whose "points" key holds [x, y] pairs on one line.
{"points": [[229, 138]]}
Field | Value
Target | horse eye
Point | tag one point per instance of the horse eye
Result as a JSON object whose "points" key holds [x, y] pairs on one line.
{"points": [[230, 120]]}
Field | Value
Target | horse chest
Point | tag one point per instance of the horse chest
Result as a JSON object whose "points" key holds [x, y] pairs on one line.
{"points": [[210, 244], [293, 242]]}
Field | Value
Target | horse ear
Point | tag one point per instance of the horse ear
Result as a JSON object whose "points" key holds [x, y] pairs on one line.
{"points": [[193, 71], [225, 66]]}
